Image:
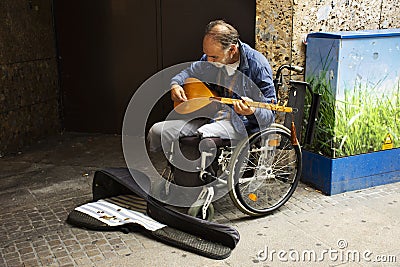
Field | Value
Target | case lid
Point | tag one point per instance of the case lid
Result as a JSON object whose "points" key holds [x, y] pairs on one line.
{"points": [[355, 34]]}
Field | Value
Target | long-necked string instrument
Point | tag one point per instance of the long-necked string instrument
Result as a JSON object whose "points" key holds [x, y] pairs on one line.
{"points": [[199, 96]]}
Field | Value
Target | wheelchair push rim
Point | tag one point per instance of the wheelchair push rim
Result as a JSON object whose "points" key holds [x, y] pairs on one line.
{"points": [[265, 171]]}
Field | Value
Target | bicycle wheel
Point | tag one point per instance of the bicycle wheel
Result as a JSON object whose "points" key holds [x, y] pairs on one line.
{"points": [[264, 171]]}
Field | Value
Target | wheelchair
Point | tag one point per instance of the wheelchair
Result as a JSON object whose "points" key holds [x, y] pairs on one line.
{"points": [[260, 173]]}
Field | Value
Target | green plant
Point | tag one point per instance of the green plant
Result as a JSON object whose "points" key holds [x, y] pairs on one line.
{"points": [[324, 136], [356, 124], [363, 119]]}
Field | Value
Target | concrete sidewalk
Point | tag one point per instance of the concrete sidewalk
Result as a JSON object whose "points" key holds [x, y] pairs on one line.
{"points": [[41, 185]]}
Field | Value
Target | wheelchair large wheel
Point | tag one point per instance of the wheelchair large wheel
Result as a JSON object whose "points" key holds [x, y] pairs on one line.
{"points": [[264, 171]]}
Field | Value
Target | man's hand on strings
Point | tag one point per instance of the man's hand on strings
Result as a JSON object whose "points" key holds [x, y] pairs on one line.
{"points": [[177, 93], [242, 108]]}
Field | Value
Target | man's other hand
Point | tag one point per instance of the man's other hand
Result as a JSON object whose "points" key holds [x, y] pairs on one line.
{"points": [[177, 93], [241, 107]]}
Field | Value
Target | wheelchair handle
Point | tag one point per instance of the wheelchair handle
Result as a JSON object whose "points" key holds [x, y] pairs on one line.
{"points": [[294, 68]]}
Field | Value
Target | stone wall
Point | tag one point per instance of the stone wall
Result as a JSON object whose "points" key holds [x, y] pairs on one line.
{"points": [[29, 94], [282, 25], [274, 30]]}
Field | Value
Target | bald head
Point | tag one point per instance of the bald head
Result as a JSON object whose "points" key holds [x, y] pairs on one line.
{"points": [[222, 32]]}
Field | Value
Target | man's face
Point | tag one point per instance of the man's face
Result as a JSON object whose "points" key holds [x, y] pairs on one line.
{"points": [[214, 52]]}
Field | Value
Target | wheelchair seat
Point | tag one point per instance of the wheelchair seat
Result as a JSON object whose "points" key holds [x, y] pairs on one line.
{"points": [[192, 148]]}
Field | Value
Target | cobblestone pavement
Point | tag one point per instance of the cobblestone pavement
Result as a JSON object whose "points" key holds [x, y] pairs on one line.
{"points": [[41, 185]]}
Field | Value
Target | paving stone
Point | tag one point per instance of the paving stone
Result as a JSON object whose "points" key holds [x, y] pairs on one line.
{"points": [[109, 254], [77, 254], [83, 262], [11, 255], [124, 252], [60, 253], [96, 259], [27, 256], [14, 262], [44, 254], [92, 252], [115, 242]]}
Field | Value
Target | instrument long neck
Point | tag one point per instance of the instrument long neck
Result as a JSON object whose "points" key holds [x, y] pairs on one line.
{"points": [[254, 104]]}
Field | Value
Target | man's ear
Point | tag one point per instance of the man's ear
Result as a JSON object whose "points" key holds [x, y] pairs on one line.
{"points": [[233, 48]]}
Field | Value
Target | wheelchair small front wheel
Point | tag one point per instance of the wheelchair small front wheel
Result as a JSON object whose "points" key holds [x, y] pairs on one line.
{"points": [[196, 210], [264, 171]]}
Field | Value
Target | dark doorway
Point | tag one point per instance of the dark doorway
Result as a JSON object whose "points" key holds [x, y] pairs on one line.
{"points": [[108, 48], [183, 24]]}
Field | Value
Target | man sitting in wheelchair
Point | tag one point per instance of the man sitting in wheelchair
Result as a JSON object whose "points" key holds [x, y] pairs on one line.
{"points": [[232, 69], [243, 78]]}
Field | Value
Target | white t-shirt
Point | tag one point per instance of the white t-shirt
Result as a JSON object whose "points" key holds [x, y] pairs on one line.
{"points": [[230, 68]]}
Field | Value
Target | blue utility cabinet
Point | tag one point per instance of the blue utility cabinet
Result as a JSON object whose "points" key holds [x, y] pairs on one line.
{"points": [[358, 75]]}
